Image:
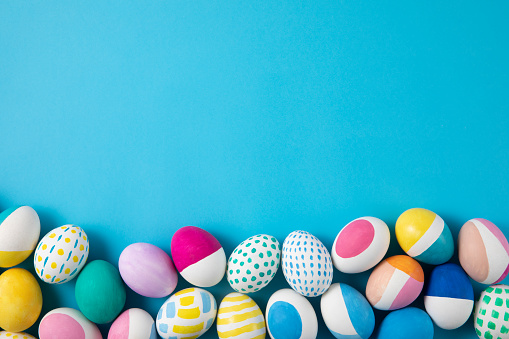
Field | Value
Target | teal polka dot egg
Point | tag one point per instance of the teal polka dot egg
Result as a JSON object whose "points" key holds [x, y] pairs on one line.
{"points": [[491, 316], [61, 254], [253, 263]]}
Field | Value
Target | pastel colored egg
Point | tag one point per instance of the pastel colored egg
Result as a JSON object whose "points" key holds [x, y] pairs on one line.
{"points": [[188, 313], [491, 315], [148, 270], [449, 296], [290, 316], [198, 256], [406, 323], [20, 300], [424, 236], [239, 317], [253, 263], [100, 292], [360, 245], [347, 313], [306, 264], [483, 251], [19, 232], [12, 335], [66, 323], [133, 323], [395, 283], [61, 254]]}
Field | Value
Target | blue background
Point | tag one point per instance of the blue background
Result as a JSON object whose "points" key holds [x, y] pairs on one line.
{"points": [[133, 120]]}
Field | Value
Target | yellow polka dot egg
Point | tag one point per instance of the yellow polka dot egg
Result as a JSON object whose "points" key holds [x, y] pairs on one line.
{"points": [[12, 335], [61, 254]]}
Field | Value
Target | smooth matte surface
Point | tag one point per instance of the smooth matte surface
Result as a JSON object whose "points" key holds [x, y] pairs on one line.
{"points": [[132, 120]]}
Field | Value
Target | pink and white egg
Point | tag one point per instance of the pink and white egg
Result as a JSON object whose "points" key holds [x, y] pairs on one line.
{"points": [[65, 323], [134, 323]]}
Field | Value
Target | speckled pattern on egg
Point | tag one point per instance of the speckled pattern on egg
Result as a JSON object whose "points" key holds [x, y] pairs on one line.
{"points": [[253, 263], [61, 254]]}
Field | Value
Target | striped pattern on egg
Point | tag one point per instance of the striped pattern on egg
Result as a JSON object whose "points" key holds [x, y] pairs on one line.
{"points": [[239, 317], [61, 254]]}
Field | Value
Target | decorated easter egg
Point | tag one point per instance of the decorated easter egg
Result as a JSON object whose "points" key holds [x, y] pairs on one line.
{"points": [[188, 313], [449, 296], [360, 245], [198, 256], [20, 300], [306, 264], [346, 312], [290, 316], [66, 323], [491, 315], [239, 317], [12, 335], [133, 323], [253, 263], [424, 236], [406, 323], [61, 254], [100, 292], [395, 283], [483, 251], [19, 232], [147, 270]]}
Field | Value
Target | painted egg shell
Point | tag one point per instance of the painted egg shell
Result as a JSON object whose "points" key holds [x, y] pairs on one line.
{"points": [[240, 317], [61, 254], [306, 264], [406, 323], [12, 335], [395, 283], [198, 256], [491, 315], [133, 323], [290, 315], [147, 270], [449, 296], [360, 245], [100, 292], [188, 313], [20, 300], [424, 236], [347, 313], [19, 232], [65, 323], [483, 251], [253, 263]]}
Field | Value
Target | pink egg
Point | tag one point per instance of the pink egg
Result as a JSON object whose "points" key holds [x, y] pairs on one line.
{"points": [[65, 323], [198, 256], [147, 270], [133, 323]]}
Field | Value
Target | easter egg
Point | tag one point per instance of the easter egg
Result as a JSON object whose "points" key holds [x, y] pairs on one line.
{"points": [[406, 323], [12, 335], [424, 236], [99, 291], [306, 264], [66, 323], [491, 315], [19, 232], [253, 263], [61, 254], [20, 300], [395, 283], [449, 296], [239, 317], [147, 270], [360, 245], [347, 313], [483, 251], [290, 316], [188, 313], [133, 323], [198, 256]]}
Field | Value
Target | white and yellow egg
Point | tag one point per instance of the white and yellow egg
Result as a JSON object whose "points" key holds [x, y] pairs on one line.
{"points": [[239, 317]]}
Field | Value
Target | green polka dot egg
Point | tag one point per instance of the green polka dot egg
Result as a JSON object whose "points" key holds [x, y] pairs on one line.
{"points": [[491, 316], [61, 254], [253, 263]]}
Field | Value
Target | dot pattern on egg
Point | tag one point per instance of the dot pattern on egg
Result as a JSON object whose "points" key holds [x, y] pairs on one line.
{"points": [[12, 335], [492, 312]]}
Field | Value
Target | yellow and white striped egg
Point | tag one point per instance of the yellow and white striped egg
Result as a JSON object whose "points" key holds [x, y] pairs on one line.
{"points": [[239, 317], [12, 335], [61, 254]]}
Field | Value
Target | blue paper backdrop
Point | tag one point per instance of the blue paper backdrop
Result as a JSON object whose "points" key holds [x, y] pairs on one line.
{"points": [[134, 119]]}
